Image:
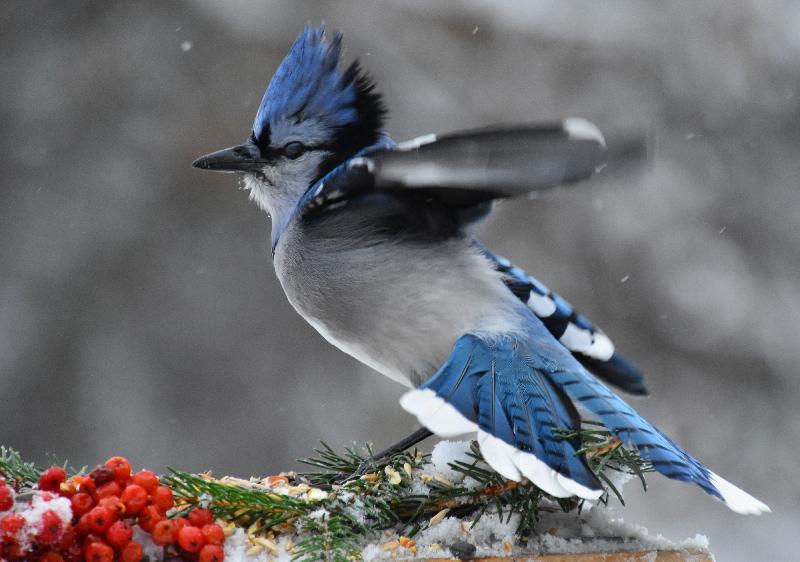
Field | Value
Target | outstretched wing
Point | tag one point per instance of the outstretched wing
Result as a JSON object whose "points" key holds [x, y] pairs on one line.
{"points": [[469, 169], [460, 174], [473, 166]]}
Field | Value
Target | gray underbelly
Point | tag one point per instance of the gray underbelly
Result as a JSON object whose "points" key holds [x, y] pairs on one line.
{"points": [[397, 306]]}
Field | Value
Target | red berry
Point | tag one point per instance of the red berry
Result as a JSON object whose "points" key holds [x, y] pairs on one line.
{"points": [[52, 527], [102, 474], [10, 526], [135, 498], [68, 538], [114, 505], [162, 497], [211, 553], [6, 497], [213, 534], [131, 552], [99, 552], [109, 489], [200, 516], [191, 539], [99, 520], [149, 516], [52, 478], [86, 484], [51, 556], [73, 552], [163, 533], [81, 503], [121, 467], [146, 479], [119, 534], [178, 523], [82, 526], [15, 552], [90, 538]]}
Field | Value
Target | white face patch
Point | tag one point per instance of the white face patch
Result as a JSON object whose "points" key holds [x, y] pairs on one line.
{"points": [[279, 188]]}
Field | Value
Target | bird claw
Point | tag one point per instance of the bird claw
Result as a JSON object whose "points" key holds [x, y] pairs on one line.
{"points": [[363, 469]]}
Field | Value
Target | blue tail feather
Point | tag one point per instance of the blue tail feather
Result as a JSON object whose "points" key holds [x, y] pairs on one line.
{"points": [[503, 389], [522, 389]]}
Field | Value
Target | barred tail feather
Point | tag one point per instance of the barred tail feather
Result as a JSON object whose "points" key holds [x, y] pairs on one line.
{"points": [[476, 390], [515, 393]]}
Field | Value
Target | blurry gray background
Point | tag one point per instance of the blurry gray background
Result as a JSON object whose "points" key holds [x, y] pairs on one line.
{"points": [[139, 313]]}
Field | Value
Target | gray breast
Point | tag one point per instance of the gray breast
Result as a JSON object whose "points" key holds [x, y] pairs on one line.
{"points": [[397, 304]]}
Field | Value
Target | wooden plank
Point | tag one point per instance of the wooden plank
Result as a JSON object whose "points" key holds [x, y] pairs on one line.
{"points": [[631, 556]]}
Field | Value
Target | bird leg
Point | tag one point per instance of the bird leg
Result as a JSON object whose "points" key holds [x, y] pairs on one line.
{"points": [[400, 446]]}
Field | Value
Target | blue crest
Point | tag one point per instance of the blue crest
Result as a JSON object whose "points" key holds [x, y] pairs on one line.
{"points": [[309, 85]]}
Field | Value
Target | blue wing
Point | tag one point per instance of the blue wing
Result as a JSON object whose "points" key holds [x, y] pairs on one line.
{"points": [[587, 343], [515, 391]]}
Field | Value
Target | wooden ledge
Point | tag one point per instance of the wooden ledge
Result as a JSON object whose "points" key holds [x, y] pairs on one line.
{"points": [[629, 556]]}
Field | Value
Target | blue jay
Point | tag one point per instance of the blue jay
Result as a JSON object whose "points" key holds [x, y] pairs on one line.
{"points": [[374, 245]]}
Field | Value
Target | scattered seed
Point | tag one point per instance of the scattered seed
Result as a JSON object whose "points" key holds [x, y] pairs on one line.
{"points": [[315, 494], [394, 476], [408, 544], [279, 480], [229, 529], [436, 519], [254, 550], [391, 545], [507, 547], [442, 480], [268, 544], [407, 468]]}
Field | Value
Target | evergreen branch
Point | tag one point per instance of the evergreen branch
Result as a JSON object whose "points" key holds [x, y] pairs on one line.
{"points": [[330, 538], [232, 503], [18, 473]]}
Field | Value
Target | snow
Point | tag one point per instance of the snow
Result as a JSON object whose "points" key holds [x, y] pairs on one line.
{"points": [[597, 528], [150, 550], [36, 509], [448, 452]]}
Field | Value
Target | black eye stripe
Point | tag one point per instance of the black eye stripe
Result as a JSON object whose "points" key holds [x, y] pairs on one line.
{"points": [[295, 149]]}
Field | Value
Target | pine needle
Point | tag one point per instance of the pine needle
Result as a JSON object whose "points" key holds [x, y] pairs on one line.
{"points": [[18, 473]]}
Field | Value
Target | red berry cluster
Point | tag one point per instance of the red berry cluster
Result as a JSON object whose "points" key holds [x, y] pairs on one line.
{"points": [[94, 516], [195, 535]]}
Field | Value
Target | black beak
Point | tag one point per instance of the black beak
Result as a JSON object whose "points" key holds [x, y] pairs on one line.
{"points": [[243, 158]]}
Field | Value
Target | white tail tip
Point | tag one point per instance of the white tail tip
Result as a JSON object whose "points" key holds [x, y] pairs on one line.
{"points": [[737, 499]]}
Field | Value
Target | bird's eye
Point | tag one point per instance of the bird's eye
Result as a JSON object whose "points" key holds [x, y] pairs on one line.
{"points": [[294, 150]]}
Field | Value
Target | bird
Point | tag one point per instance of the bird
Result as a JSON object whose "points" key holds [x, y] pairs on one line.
{"points": [[375, 245]]}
